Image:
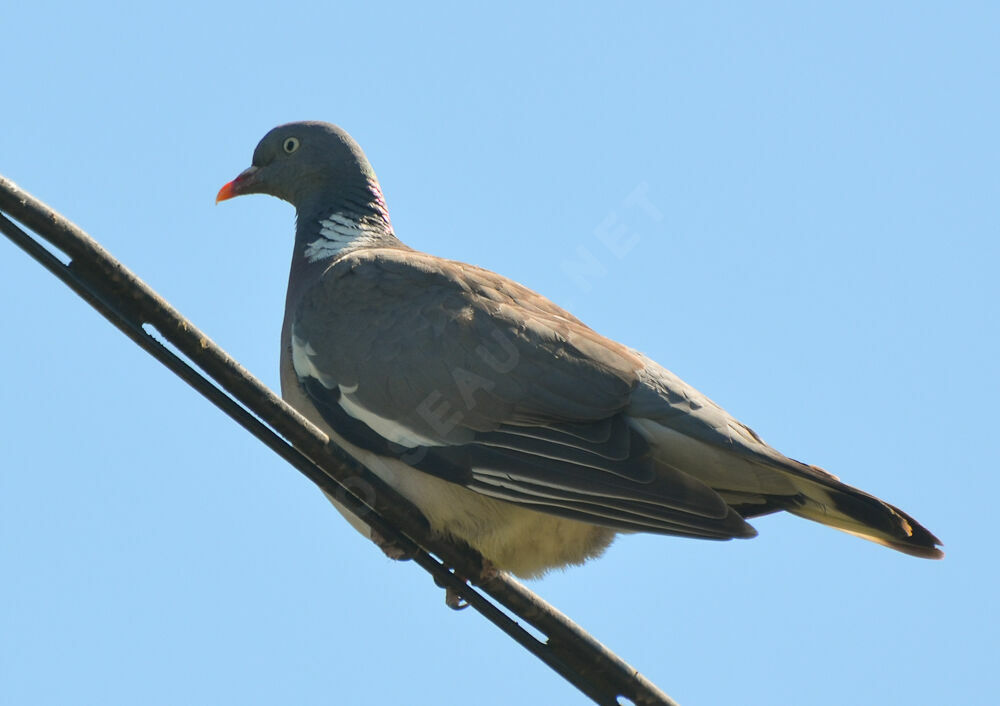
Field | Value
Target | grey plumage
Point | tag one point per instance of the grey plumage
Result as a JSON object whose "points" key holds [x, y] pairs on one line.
{"points": [[512, 425]]}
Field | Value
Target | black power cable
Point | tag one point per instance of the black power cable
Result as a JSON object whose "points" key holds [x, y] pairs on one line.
{"points": [[129, 304]]}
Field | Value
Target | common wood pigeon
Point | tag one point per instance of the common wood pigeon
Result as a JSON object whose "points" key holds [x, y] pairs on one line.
{"points": [[509, 423]]}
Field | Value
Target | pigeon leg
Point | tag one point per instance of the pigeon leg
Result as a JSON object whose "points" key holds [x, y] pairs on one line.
{"points": [[391, 548]]}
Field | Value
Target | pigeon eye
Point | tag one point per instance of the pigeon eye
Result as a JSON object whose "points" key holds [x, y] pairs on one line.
{"points": [[291, 144]]}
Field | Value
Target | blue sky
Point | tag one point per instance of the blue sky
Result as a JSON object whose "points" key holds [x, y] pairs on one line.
{"points": [[817, 252]]}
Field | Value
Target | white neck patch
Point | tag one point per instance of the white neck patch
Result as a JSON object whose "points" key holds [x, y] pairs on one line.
{"points": [[338, 233]]}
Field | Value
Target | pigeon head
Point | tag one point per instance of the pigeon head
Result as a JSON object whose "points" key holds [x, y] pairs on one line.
{"points": [[317, 167]]}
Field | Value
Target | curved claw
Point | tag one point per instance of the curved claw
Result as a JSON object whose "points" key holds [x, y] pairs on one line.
{"points": [[453, 600]]}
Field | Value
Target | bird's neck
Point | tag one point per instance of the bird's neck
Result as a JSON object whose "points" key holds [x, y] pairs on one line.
{"points": [[358, 219], [325, 231]]}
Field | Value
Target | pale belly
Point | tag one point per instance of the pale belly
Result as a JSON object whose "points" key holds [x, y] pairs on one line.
{"points": [[512, 538]]}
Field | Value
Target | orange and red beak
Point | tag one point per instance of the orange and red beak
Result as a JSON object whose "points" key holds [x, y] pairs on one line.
{"points": [[238, 186]]}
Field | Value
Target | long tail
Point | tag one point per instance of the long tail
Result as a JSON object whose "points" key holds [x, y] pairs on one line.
{"points": [[825, 499], [755, 479]]}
